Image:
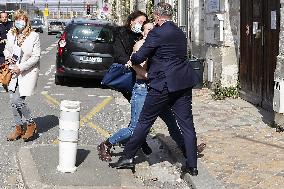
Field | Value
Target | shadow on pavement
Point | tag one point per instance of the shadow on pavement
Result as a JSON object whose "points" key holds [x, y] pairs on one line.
{"points": [[46, 123], [267, 116], [260, 142], [83, 82], [81, 156]]}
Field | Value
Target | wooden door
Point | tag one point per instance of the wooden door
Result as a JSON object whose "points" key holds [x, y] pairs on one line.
{"points": [[259, 49], [271, 49]]}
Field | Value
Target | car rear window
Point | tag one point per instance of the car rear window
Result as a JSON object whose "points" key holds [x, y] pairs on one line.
{"points": [[55, 23], [95, 33]]}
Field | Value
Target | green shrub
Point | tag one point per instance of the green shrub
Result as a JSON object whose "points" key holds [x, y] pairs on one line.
{"points": [[220, 93]]}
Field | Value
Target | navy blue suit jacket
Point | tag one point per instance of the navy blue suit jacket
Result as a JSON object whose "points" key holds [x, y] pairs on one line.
{"points": [[166, 50]]}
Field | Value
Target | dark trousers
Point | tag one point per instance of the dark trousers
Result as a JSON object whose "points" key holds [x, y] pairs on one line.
{"points": [[2, 59], [155, 102], [170, 121]]}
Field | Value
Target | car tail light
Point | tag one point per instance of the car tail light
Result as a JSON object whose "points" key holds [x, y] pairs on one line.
{"points": [[61, 43], [61, 70]]}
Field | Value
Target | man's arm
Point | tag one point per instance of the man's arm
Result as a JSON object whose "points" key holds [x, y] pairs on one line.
{"points": [[2, 34], [152, 42]]}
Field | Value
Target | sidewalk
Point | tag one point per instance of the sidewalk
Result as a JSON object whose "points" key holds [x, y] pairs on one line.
{"points": [[242, 150]]}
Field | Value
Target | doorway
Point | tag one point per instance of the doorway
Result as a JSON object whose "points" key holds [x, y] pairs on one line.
{"points": [[260, 26]]}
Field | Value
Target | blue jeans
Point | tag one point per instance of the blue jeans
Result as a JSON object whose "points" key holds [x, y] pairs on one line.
{"points": [[139, 93]]}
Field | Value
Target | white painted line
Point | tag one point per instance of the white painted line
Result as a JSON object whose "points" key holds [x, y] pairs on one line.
{"points": [[40, 74], [44, 52], [49, 70], [91, 95], [104, 96], [2, 91], [49, 48], [51, 79], [57, 94], [44, 92], [49, 83], [46, 87], [54, 45]]}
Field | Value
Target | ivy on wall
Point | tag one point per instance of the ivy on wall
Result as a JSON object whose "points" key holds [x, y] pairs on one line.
{"points": [[175, 11], [124, 9], [150, 10], [114, 11]]}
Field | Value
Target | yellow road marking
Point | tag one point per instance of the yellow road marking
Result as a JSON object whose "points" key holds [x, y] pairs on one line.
{"points": [[56, 141], [50, 99], [85, 119], [95, 110], [99, 130]]}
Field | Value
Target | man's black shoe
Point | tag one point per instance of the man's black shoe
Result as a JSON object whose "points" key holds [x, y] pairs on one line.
{"points": [[146, 148], [191, 170], [124, 163]]}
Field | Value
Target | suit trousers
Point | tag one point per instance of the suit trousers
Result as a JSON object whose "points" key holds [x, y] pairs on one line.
{"points": [[2, 59], [155, 102]]}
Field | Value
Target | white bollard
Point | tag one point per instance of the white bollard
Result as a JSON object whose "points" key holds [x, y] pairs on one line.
{"points": [[69, 123]]}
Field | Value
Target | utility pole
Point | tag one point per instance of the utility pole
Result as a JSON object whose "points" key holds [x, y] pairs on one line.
{"points": [[71, 15], [58, 7]]}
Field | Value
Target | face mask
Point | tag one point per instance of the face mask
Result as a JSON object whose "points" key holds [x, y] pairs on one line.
{"points": [[20, 24], [137, 28]]}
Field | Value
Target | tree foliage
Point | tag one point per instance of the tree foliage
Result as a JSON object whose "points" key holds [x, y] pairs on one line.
{"points": [[114, 11], [150, 9], [125, 8]]}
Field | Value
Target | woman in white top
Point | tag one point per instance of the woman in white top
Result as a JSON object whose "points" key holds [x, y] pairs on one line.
{"points": [[22, 50]]}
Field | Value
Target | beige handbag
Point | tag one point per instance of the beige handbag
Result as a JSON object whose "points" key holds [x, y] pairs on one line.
{"points": [[5, 75]]}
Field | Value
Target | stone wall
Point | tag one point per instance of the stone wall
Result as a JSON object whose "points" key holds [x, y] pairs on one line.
{"points": [[215, 36]]}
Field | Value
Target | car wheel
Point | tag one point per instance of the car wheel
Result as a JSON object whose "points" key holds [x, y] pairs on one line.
{"points": [[59, 80], [41, 31]]}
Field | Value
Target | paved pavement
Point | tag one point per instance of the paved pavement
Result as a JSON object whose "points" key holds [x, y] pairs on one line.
{"points": [[242, 152]]}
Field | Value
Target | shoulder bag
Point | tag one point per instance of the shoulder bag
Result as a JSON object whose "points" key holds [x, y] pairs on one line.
{"points": [[119, 77]]}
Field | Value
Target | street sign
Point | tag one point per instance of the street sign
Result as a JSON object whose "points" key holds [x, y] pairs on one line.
{"points": [[45, 12]]}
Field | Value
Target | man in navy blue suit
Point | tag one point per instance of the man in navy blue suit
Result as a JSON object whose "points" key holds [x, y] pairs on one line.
{"points": [[171, 79]]}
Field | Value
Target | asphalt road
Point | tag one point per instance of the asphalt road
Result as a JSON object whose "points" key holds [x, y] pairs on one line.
{"points": [[103, 111]]}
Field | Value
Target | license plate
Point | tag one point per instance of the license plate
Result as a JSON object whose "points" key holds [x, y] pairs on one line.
{"points": [[91, 59]]}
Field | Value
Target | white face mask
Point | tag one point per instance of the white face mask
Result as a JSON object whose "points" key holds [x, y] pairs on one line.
{"points": [[137, 28], [20, 24]]}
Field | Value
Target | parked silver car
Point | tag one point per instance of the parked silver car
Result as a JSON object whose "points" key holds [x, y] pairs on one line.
{"points": [[37, 25]]}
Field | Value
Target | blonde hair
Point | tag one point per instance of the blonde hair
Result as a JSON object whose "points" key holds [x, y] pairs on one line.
{"points": [[22, 14]]}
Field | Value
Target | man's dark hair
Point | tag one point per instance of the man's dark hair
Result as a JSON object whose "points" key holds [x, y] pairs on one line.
{"points": [[133, 16]]}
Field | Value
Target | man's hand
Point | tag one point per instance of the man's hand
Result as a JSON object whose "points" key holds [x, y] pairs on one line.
{"points": [[11, 61], [128, 64]]}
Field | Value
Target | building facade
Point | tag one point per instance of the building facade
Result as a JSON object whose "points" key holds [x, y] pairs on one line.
{"points": [[242, 44]]}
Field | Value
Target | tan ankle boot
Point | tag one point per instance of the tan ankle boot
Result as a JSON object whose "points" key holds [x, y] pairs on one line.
{"points": [[31, 130], [16, 134]]}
